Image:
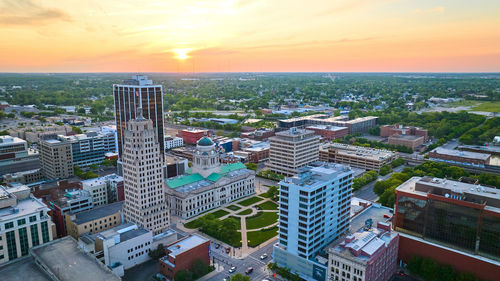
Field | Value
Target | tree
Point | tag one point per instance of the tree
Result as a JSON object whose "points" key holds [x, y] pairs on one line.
{"points": [[384, 170], [273, 193], [77, 130], [251, 166], [184, 275], [81, 110], [199, 268], [158, 252], [238, 277]]}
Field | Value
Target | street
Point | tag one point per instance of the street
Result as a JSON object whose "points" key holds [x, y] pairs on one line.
{"points": [[253, 260], [366, 192]]}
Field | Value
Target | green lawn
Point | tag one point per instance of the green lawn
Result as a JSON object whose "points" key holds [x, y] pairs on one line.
{"points": [[238, 227], [195, 223], [250, 201], [488, 106], [220, 213], [255, 238], [268, 205], [233, 207], [245, 212], [262, 219], [265, 195]]}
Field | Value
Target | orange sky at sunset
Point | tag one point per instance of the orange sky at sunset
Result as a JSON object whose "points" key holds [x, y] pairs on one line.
{"points": [[246, 35]]}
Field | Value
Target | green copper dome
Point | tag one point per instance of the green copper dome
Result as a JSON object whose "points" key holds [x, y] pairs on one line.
{"points": [[205, 141]]}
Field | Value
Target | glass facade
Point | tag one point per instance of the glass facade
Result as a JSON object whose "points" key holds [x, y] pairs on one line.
{"points": [[128, 98], [489, 238], [454, 225], [11, 245], [45, 232], [23, 241], [34, 235]]}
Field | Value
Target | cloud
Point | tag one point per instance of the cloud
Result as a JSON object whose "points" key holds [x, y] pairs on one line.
{"points": [[431, 11], [25, 12]]}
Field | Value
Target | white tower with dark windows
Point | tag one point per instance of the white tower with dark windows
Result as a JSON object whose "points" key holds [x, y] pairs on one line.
{"points": [[143, 177]]}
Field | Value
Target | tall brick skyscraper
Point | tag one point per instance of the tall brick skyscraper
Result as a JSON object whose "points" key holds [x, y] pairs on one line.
{"points": [[145, 203], [129, 96]]}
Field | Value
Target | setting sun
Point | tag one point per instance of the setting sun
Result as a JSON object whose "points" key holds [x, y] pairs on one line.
{"points": [[181, 54]]}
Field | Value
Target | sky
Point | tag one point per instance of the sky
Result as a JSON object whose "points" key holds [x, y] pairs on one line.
{"points": [[250, 36]]}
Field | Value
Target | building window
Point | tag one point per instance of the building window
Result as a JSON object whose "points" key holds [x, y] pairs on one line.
{"points": [[23, 241], [45, 232], [21, 221], [9, 225], [34, 235], [11, 245], [32, 218]]}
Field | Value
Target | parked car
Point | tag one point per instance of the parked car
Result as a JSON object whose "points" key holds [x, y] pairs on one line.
{"points": [[228, 250], [217, 246], [263, 257], [249, 270], [232, 269]]}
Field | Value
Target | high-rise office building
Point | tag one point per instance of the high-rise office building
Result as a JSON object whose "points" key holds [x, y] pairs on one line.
{"points": [[314, 210], [138, 92], [57, 158], [144, 188], [292, 149]]}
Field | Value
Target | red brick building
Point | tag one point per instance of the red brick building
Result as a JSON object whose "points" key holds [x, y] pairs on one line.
{"points": [[191, 136], [451, 222], [328, 132], [182, 254], [409, 141], [396, 129]]}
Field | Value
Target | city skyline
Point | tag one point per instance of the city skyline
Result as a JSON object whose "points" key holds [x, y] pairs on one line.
{"points": [[241, 36]]}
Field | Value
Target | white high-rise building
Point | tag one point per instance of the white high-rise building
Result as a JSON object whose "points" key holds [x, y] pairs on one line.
{"points": [[144, 188]]}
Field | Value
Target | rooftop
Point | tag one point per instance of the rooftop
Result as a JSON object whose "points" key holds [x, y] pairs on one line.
{"points": [[455, 190], [405, 137], [317, 173], [360, 152], [23, 269], [461, 153], [23, 207], [7, 140], [66, 261], [132, 234], [327, 127], [99, 212], [185, 245], [187, 183]]}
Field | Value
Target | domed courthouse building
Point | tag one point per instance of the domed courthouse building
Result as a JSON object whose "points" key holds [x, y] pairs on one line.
{"points": [[208, 184]]}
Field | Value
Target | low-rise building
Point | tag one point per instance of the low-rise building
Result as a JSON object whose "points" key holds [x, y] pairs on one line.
{"points": [[173, 142], [208, 184], [396, 129], [24, 223], [356, 156], [72, 201], [94, 220], [97, 187], [15, 156], [261, 134], [450, 222], [409, 141], [328, 132], [124, 246], [90, 148], [182, 255], [176, 166], [459, 157], [370, 254], [25, 177], [191, 136], [358, 125]]}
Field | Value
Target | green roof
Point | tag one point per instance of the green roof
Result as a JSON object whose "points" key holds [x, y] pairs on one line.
{"points": [[180, 181], [232, 167], [214, 177], [188, 179]]}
